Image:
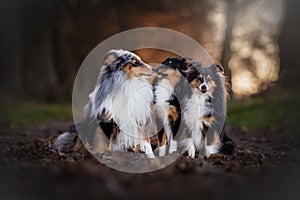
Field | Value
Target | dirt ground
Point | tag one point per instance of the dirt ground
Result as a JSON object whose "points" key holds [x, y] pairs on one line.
{"points": [[264, 165]]}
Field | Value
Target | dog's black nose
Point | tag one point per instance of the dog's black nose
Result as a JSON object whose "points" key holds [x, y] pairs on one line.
{"points": [[203, 88]]}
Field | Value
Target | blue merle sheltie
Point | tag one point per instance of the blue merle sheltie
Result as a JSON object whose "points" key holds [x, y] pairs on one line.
{"points": [[122, 101], [198, 110]]}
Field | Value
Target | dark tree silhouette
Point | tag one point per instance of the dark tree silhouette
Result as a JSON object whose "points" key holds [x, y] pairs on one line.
{"points": [[290, 47]]}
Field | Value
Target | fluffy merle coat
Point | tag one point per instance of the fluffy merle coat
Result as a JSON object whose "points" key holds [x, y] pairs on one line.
{"points": [[121, 101]]}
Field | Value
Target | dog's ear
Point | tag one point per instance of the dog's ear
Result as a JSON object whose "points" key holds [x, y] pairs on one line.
{"points": [[110, 57], [219, 68]]}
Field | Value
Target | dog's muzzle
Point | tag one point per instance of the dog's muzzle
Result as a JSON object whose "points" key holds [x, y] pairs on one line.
{"points": [[203, 88]]}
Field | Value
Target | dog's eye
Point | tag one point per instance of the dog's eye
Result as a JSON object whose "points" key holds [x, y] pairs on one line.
{"points": [[200, 79], [208, 79], [136, 62], [170, 62]]}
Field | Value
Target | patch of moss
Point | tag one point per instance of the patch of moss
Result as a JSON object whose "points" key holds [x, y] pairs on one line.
{"points": [[267, 112], [271, 112], [34, 112]]}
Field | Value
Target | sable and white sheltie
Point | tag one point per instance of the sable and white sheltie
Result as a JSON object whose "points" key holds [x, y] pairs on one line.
{"points": [[122, 101], [198, 112]]}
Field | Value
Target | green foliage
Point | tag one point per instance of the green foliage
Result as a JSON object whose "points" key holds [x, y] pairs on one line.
{"points": [[270, 112], [267, 112], [34, 112]]}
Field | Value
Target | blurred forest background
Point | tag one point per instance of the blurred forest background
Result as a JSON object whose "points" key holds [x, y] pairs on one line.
{"points": [[44, 42]]}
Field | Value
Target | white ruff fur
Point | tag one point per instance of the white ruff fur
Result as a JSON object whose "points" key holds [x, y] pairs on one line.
{"points": [[129, 106], [163, 92], [193, 112]]}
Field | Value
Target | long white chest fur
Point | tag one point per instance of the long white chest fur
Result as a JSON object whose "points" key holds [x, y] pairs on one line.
{"points": [[130, 107], [163, 93], [193, 113]]}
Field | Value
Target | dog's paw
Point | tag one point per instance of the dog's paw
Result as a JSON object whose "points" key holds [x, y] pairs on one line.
{"points": [[187, 147], [211, 150], [162, 151], [173, 146], [147, 149], [191, 151]]}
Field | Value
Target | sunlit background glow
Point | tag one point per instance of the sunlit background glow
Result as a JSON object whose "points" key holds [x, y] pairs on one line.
{"points": [[254, 61], [240, 34], [250, 29]]}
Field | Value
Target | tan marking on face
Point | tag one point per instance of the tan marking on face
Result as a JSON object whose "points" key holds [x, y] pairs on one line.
{"points": [[196, 82], [211, 85], [152, 78], [138, 71], [173, 76], [127, 68]]}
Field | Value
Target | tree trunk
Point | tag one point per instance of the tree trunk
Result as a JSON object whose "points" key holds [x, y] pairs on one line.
{"points": [[41, 81], [290, 48], [10, 49], [226, 52]]}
